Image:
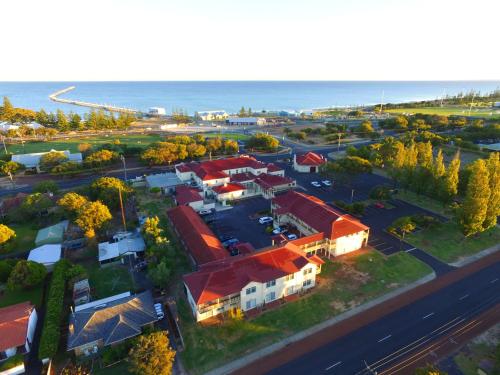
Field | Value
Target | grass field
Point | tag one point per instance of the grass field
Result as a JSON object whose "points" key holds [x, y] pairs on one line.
{"points": [[448, 111], [8, 297], [24, 241], [424, 202], [234, 136], [446, 242], [343, 285], [109, 280]]}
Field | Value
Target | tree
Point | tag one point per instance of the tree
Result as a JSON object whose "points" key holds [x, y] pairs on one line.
{"points": [[26, 274], [262, 141], [429, 370], [107, 190], [101, 157], [402, 226], [230, 147], [214, 144], [48, 186], [84, 147], [72, 369], [195, 150], [365, 128], [242, 112], [6, 267], [152, 355], [474, 208], [6, 234], [92, 216], [151, 227], [7, 109], [68, 167], [493, 210], [451, 179], [72, 202], [160, 275], [75, 122], [161, 153], [51, 159], [10, 168], [62, 121], [36, 204]]}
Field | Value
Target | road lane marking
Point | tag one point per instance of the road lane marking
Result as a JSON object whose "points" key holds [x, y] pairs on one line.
{"points": [[494, 281], [428, 315], [384, 338], [463, 297], [332, 366], [410, 250]]}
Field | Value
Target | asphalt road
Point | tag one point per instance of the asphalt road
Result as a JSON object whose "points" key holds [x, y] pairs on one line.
{"points": [[384, 342]]}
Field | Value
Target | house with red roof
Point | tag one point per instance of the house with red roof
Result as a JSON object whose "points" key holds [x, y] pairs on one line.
{"points": [[187, 196], [310, 162], [17, 329], [250, 280], [326, 230]]}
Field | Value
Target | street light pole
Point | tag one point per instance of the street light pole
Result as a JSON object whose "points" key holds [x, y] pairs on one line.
{"points": [[124, 166], [352, 194]]}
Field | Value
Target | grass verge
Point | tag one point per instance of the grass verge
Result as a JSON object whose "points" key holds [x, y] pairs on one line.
{"points": [[110, 280], [24, 241], [343, 285], [424, 202], [8, 297]]}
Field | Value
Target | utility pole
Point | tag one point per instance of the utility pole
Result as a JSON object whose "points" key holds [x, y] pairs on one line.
{"points": [[122, 209], [352, 194], [4, 147], [381, 102], [124, 167], [471, 103], [338, 143]]}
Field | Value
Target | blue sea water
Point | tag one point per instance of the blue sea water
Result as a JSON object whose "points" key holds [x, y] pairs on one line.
{"points": [[232, 95]]}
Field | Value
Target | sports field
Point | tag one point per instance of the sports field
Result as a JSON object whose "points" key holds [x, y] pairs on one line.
{"points": [[488, 113]]}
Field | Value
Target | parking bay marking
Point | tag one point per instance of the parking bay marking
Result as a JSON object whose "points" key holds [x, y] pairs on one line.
{"points": [[428, 315], [385, 338], [332, 366]]}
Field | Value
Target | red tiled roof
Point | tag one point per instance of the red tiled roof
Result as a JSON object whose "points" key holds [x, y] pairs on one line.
{"points": [[14, 325], [230, 276], [245, 248], [310, 158], [214, 169], [270, 180], [228, 188], [185, 195], [273, 168], [243, 177], [317, 214], [199, 240], [308, 239]]}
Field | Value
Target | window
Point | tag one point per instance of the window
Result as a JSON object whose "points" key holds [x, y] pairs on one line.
{"points": [[290, 290], [307, 271], [270, 297], [306, 283], [251, 290], [251, 303], [271, 283], [289, 277]]}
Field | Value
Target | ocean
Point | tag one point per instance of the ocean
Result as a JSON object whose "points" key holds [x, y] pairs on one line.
{"points": [[230, 96]]}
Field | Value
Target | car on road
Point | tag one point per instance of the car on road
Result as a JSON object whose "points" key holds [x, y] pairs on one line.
{"points": [[379, 205], [279, 230], [265, 220], [291, 236], [204, 212], [231, 241], [326, 182], [315, 184], [159, 311]]}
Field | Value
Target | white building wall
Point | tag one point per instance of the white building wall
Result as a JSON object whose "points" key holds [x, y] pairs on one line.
{"points": [[349, 243], [31, 330]]}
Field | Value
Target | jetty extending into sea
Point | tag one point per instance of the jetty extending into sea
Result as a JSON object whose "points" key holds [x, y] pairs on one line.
{"points": [[111, 108]]}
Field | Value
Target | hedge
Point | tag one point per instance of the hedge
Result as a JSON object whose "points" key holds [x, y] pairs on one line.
{"points": [[12, 362], [49, 342]]}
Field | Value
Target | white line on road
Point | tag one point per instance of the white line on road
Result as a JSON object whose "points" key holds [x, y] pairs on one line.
{"points": [[410, 250], [332, 366], [428, 315], [494, 281], [384, 338], [463, 297]]}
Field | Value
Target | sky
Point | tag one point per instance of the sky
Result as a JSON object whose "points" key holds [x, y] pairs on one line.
{"points": [[107, 40]]}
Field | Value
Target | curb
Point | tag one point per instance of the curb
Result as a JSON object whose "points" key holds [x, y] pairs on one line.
{"points": [[465, 261], [263, 352]]}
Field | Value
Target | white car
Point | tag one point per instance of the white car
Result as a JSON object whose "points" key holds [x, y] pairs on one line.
{"points": [[279, 230], [315, 184], [159, 311], [204, 212], [265, 220], [326, 183], [291, 236]]}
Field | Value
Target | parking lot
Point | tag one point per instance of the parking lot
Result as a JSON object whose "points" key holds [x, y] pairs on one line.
{"points": [[241, 222]]}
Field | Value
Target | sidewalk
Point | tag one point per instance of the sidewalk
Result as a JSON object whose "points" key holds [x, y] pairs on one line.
{"points": [[248, 359]]}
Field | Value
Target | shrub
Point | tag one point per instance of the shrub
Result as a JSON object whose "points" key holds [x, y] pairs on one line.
{"points": [[12, 362], [115, 353], [155, 190], [26, 274], [6, 267], [424, 221], [380, 192]]}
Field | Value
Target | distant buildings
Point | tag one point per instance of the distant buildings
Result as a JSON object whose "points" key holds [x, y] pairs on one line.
{"points": [[213, 115], [246, 121], [17, 329], [32, 161], [310, 162], [157, 111], [109, 321]]}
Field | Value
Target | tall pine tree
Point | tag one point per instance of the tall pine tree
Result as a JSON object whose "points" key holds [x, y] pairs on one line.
{"points": [[450, 183], [493, 210], [474, 208]]}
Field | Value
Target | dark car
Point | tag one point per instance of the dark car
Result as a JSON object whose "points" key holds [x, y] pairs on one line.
{"points": [[231, 241]]}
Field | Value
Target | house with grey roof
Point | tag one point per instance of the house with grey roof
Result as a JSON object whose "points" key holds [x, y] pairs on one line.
{"points": [[32, 161], [109, 321]]}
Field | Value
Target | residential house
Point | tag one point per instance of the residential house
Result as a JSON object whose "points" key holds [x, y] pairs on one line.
{"points": [[47, 254], [325, 229], [32, 161], [186, 196], [198, 239], [53, 234], [310, 162], [250, 280], [167, 182], [213, 115], [127, 244], [17, 329], [248, 121], [109, 321]]}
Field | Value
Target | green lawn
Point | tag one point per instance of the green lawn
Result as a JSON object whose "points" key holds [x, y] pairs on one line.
{"points": [[110, 280], [447, 111], [118, 369], [343, 285], [135, 140], [25, 238], [8, 297], [424, 202], [234, 136], [446, 242]]}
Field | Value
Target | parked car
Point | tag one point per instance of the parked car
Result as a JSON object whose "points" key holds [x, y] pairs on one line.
{"points": [[159, 311], [141, 265], [291, 236], [315, 184], [265, 220], [204, 212], [379, 205], [231, 241], [233, 251], [326, 182], [279, 230]]}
